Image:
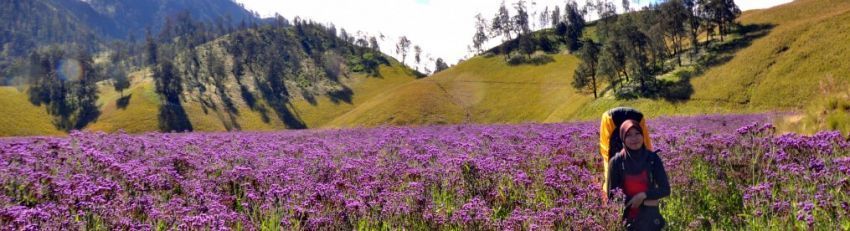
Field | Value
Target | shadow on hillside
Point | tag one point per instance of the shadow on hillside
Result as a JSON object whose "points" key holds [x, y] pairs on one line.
{"points": [[173, 118], [287, 116], [229, 105], [309, 97], [724, 52], [247, 96], [123, 102], [276, 95], [536, 60], [678, 91], [681, 90], [342, 95]]}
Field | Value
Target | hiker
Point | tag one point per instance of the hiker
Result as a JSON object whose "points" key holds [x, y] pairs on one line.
{"points": [[640, 175], [609, 139]]}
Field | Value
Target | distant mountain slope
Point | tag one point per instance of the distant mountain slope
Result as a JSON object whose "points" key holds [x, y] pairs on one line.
{"points": [[95, 24], [25, 25], [125, 17]]}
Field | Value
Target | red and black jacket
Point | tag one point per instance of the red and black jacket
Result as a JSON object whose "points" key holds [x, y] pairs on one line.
{"points": [[641, 163]]}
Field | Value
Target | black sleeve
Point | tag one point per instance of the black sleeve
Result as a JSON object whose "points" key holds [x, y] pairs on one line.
{"points": [[615, 175], [660, 178]]}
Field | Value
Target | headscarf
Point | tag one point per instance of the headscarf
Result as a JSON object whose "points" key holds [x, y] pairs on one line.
{"points": [[625, 127]]}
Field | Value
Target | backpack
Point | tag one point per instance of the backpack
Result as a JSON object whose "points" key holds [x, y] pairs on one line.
{"points": [[609, 135]]}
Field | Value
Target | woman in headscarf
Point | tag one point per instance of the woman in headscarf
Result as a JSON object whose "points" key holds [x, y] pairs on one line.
{"points": [[640, 175]]}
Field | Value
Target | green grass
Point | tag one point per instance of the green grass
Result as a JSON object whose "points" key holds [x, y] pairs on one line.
{"points": [[139, 115], [785, 70], [831, 113], [797, 66], [480, 90], [22, 118], [364, 88]]}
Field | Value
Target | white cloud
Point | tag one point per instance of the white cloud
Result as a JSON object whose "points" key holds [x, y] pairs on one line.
{"points": [[759, 4], [443, 28]]}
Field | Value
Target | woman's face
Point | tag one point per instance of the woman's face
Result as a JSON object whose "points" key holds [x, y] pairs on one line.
{"points": [[634, 139]]}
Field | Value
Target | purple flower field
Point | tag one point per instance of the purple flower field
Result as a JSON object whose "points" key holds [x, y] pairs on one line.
{"points": [[726, 172]]}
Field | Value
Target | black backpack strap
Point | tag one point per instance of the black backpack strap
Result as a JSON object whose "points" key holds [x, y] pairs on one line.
{"points": [[652, 167]]}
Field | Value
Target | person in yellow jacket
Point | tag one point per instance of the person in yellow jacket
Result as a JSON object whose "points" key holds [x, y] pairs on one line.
{"points": [[609, 136]]}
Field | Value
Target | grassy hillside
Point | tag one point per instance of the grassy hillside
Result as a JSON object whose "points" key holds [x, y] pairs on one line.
{"points": [[784, 59], [799, 62], [480, 90], [137, 111], [268, 78], [789, 58], [784, 69], [363, 87], [20, 117]]}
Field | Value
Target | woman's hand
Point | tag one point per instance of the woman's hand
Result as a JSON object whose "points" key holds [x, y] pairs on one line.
{"points": [[637, 200]]}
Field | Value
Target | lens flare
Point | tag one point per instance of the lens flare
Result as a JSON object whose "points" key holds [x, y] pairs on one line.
{"points": [[70, 70]]}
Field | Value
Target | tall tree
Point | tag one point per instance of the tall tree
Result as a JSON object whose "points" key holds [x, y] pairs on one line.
{"points": [[85, 97], [66, 83], [693, 22], [440, 65], [728, 13], [417, 55], [120, 81], [522, 28], [502, 24], [627, 6], [373, 44], [150, 49], [480, 36], [556, 16], [403, 47], [544, 18], [344, 35], [672, 17], [586, 73], [721, 13], [521, 22], [575, 25]]}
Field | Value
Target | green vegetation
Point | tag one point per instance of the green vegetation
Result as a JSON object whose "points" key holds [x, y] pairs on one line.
{"points": [[20, 117], [65, 82], [134, 112], [778, 59], [480, 90]]}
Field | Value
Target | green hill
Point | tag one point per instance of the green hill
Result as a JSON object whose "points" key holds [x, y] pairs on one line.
{"points": [[266, 78], [480, 90], [783, 66], [141, 103], [790, 58]]}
